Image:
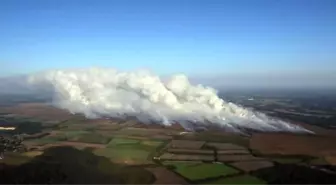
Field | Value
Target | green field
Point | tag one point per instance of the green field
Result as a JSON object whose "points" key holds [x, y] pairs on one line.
{"points": [[318, 161], [46, 140], [243, 179], [123, 154], [125, 149], [197, 171], [92, 138], [23, 125], [80, 136], [74, 134], [122, 141], [118, 149], [64, 136], [152, 143], [134, 143], [15, 159]]}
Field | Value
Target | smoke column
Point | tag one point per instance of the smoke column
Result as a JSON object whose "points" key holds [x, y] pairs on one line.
{"points": [[98, 92]]}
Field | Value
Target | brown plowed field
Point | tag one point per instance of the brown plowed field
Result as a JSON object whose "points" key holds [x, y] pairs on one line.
{"points": [[74, 144], [163, 137], [248, 166], [189, 151], [142, 132], [185, 144], [164, 176], [331, 159], [229, 158], [111, 127], [318, 130], [290, 144], [39, 111], [55, 133], [220, 152], [225, 146], [150, 131], [185, 157]]}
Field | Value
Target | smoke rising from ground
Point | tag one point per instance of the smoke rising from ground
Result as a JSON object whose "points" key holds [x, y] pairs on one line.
{"points": [[98, 92]]}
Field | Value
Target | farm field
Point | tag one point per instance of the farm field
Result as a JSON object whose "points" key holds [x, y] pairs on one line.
{"points": [[248, 166], [189, 151], [165, 176], [15, 159], [232, 158], [127, 150], [243, 179], [290, 144], [185, 144], [169, 157], [225, 146], [286, 160], [187, 157], [124, 155], [196, 171]]}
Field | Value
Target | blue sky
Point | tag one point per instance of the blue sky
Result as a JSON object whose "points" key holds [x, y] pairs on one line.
{"points": [[196, 37]]}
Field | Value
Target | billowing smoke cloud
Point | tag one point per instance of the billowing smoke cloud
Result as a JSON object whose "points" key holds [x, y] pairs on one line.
{"points": [[98, 92]]}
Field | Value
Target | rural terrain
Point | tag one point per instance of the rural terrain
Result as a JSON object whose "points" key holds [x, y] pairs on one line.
{"points": [[68, 148]]}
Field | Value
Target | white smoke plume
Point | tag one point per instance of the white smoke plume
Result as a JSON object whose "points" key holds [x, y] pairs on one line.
{"points": [[98, 92]]}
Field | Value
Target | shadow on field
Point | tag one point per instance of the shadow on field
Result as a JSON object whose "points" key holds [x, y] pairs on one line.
{"points": [[67, 165], [294, 174]]}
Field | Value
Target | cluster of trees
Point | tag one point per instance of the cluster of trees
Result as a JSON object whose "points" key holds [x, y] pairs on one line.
{"points": [[13, 144]]}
